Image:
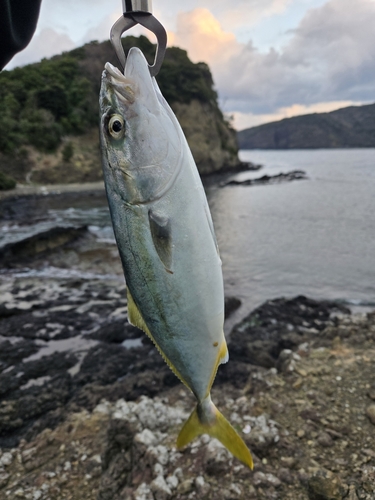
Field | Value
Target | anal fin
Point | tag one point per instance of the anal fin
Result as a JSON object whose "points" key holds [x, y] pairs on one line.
{"points": [[135, 318]]}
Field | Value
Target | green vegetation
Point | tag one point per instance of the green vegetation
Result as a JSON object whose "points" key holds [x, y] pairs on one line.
{"points": [[67, 152], [42, 102], [6, 182]]}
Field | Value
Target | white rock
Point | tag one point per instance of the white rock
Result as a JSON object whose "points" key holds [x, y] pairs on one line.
{"points": [[37, 495], [97, 459], [199, 482], [160, 488], [160, 452], [103, 407], [235, 418], [146, 437], [264, 431], [172, 482], [216, 451], [179, 474], [158, 470], [235, 488], [6, 459], [266, 480], [143, 492]]}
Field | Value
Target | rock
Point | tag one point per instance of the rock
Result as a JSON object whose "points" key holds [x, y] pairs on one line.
{"points": [[4, 478], [40, 242], [370, 412], [6, 459], [268, 179], [146, 437], [213, 143], [278, 325], [322, 487], [185, 487], [172, 482], [160, 488], [266, 480], [143, 492], [160, 453], [285, 475], [264, 433], [231, 305], [325, 440]]}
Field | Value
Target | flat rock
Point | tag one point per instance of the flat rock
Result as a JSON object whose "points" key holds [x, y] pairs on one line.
{"points": [[278, 325], [322, 487], [269, 179]]}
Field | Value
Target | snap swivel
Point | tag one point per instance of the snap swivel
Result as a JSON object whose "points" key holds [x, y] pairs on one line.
{"points": [[139, 12]]}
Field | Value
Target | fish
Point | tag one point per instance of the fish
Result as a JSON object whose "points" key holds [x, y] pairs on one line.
{"points": [[166, 240]]}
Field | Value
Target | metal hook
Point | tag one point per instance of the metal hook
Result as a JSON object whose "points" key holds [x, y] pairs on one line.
{"points": [[139, 12]]}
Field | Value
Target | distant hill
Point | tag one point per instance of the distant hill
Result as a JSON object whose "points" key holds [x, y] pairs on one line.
{"points": [[49, 113], [352, 127]]}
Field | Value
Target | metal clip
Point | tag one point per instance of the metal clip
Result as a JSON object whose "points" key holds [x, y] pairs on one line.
{"points": [[139, 12]]}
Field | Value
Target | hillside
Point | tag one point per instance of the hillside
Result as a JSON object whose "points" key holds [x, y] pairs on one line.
{"points": [[49, 113], [352, 127]]}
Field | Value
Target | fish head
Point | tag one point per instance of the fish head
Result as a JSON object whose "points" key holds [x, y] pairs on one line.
{"points": [[141, 140]]}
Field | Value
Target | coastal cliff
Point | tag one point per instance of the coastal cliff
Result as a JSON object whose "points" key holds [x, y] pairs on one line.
{"points": [[49, 114], [351, 127]]}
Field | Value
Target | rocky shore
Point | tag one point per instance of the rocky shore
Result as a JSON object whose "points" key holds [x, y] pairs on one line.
{"points": [[89, 410]]}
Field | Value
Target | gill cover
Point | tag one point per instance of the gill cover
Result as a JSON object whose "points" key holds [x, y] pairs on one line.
{"points": [[147, 158]]}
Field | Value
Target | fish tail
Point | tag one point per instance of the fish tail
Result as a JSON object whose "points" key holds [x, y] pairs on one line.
{"points": [[206, 419]]}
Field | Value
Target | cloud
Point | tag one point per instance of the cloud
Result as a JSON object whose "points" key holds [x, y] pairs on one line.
{"points": [[46, 44], [200, 33], [329, 57], [237, 13]]}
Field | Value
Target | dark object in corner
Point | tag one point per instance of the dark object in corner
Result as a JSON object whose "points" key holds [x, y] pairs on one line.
{"points": [[18, 19]]}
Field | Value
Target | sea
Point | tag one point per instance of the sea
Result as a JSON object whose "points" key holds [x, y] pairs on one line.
{"points": [[314, 237]]}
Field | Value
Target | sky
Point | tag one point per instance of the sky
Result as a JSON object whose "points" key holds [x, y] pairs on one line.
{"points": [[270, 59]]}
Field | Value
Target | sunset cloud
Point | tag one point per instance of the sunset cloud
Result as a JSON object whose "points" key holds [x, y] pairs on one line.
{"points": [[329, 58]]}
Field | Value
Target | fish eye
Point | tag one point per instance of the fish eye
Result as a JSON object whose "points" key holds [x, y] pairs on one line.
{"points": [[116, 126]]}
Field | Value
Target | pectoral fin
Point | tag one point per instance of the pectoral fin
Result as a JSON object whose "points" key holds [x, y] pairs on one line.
{"points": [[161, 233]]}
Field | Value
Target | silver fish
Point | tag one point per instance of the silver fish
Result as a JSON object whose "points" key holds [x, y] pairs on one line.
{"points": [[166, 239]]}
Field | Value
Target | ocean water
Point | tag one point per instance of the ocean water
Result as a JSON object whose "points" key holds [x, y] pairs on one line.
{"points": [[314, 237]]}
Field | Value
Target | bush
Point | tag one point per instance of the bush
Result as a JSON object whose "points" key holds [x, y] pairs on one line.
{"points": [[6, 182], [67, 152]]}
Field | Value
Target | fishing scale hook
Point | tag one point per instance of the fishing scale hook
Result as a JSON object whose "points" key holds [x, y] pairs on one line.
{"points": [[139, 12]]}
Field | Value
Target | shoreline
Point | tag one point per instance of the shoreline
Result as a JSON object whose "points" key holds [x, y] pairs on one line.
{"points": [[51, 189]]}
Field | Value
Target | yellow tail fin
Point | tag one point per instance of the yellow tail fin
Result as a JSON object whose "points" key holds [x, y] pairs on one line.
{"points": [[206, 419]]}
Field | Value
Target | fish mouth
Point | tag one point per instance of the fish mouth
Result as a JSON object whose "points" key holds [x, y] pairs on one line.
{"points": [[123, 88]]}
